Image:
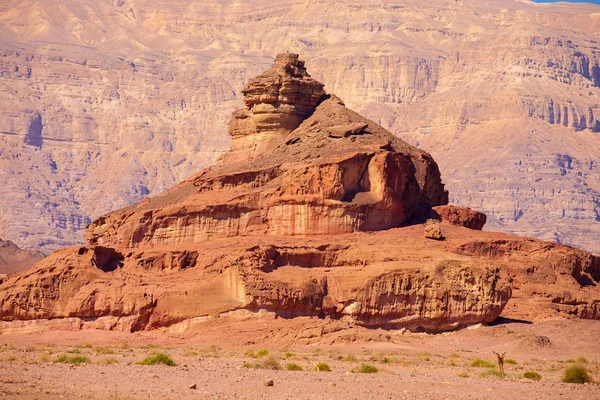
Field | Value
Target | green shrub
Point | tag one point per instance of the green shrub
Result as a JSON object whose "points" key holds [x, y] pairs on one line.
{"points": [[293, 367], [63, 358], [322, 366], [532, 375], [367, 369], [479, 363], [289, 355], [262, 353], [510, 361], [576, 374], [463, 375], [270, 362], [158, 358], [490, 372]]}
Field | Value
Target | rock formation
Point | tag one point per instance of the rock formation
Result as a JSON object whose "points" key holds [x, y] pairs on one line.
{"points": [[13, 258], [318, 217], [107, 102], [270, 227]]}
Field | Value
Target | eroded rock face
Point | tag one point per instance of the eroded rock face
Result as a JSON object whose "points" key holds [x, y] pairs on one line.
{"points": [[461, 216], [315, 225], [277, 101], [326, 173], [330, 172]]}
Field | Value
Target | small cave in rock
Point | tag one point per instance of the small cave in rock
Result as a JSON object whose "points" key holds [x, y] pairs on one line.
{"points": [[107, 259], [34, 131]]}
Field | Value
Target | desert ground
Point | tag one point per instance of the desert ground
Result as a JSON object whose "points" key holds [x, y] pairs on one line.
{"points": [[235, 359]]}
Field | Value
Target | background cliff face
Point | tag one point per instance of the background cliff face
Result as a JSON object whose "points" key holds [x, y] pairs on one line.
{"points": [[107, 101]]}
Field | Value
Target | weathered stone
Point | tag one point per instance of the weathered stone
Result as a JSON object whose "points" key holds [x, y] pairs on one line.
{"points": [[461, 216], [433, 231]]}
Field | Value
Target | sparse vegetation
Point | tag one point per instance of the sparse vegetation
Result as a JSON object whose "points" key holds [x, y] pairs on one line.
{"points": [[322, 367], [480, 363], [463, 375], [104, 350], [293, 367], [190, 353], [158, 358], [532, 375], [491, 372], [289, 355], [262, 353], [350, 358], [78, 359], [251, 365], [510, 361], [257, 354], [576, 374], [270, 362], [367, 369]]}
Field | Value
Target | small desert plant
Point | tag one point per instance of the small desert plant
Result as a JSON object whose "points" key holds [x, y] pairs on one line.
{"points": [[532, 375], [510, 361], [491, 372], [367, 369], [104, 350], [190, 353], [250, 365], [270, 362], [153, 346], [158, 358], [479, 363], [576, 374], [85, 345], [322, 366], [581, 360], [351, 358], [293, 367], [289, 355], [463, 375], [63, 358], [11, 357], [109, 361], [261, 353]]}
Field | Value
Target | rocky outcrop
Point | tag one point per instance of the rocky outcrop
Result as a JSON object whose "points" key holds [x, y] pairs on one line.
{"points": [[461, 216], [317, 223], [337, 172], [13, 258], [235, 236], [277, 101], [564, 279]]}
